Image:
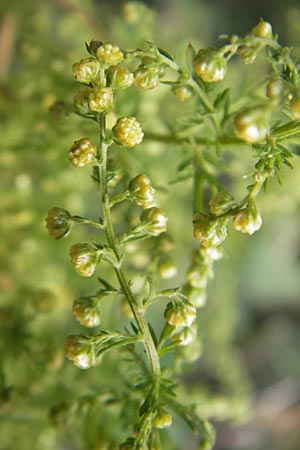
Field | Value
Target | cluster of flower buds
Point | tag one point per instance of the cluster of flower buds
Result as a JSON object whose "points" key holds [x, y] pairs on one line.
{"points": [[251, 125], [183, 92], [148, 73], [210, 65], [249, 51], [81, 350], [58, 222], [85, 259], [86, 311], [247, 220], [162, 419], [221, 203], [209, 230], [82, 153], [141, 191], [185, 336], [153, 221], [179, 313], [128, 132]]}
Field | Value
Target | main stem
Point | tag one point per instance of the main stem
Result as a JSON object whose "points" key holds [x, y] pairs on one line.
{"points": [[113, 243]]}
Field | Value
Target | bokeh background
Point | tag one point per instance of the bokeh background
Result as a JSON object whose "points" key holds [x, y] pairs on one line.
{"points": [[248, 378]]}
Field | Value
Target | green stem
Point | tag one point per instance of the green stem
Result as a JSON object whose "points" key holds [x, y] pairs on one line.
{"points": [[171, 139]]}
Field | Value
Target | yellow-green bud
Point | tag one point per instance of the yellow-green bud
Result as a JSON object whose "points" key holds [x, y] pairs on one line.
{"points": [[80, 350], [128, 131], [263, 29], [109, 54], [162, 419], [154, 221], [120, 77], [146, 77], [197, 296], [86, 312], [100, 99], [248, 54], [84, 258], [183, 92], [180, 314], [58, 222], [141, 191], [198, 278], [247, 221], [86, 70], [185, 336], [82, 153], [251, 125], [295, 108], [274, 88], [81, 101], [167, 269], [221, 203], [210, 65], [209, 231]]}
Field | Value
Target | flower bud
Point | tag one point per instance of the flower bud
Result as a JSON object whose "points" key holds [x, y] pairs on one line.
{"points": [[197, 296], [84, 258], [109, 54], [59, 222], [183, 92], [154, 220], [221, 203], [251, 125], [128, 131], [120, 77], [146, 76], [263, 30], [180, 314], [80, 350], [210, 65], [86, 312], [274, 88], [295, 108], [82, 153], [198, 277], [100, 99], [248, 54], [185, 336], [247, 221], [81, 101], [86, 70], [141, 191], [209, 231], [162, 419], [167, 269]]}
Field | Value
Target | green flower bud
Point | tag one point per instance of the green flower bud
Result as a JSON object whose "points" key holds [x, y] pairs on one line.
{"points": [[162, 419], [109, 54], [248, 54], [82, 153], [128, 132], [183, 92], [263, 29], [197, 296], [198, 277], [154, 221], [295, 108], [180, 314], [209, 231], [86, 70], [210, 65], [167, 269], [247, 221], [100, 99], [221, 203], [251, 125], [141, 191], [86, 312], [120, 77], [81, 101], [146, 76], [274, 89], [59, 222], [84, 258], [80, 350], [185, 336]]}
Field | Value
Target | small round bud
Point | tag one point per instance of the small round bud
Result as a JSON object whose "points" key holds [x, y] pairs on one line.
{"points": [[141, 191], [185, 336], [295, 108], [247, 221], [86, 312], [59, 222], [209, 231], [128, 131], [154, 220], [183, 92], [109, 54], [120, 77], [221, 203], [162, 419], [84, 258], [210, 65], [180, 314], [100, 99], [86, 70], [81, 101], [198, 278], [146, 77], [82, 153], [81, 351], [274, 88], [251, 125], [167, 269], [263, 30], [197, 296], [248, 54]]}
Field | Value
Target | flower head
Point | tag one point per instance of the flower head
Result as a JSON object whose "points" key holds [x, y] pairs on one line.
{"points": [[86, 70], [82, 153], [58, 222], [210, 65], [80, 349], [86, 312], [84, 258], [154, 221], [141, 191], [128, 132], [109, 54]]}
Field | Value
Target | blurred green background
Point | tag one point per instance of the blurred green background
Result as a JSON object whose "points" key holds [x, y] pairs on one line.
{"points": [[250, 327]]}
